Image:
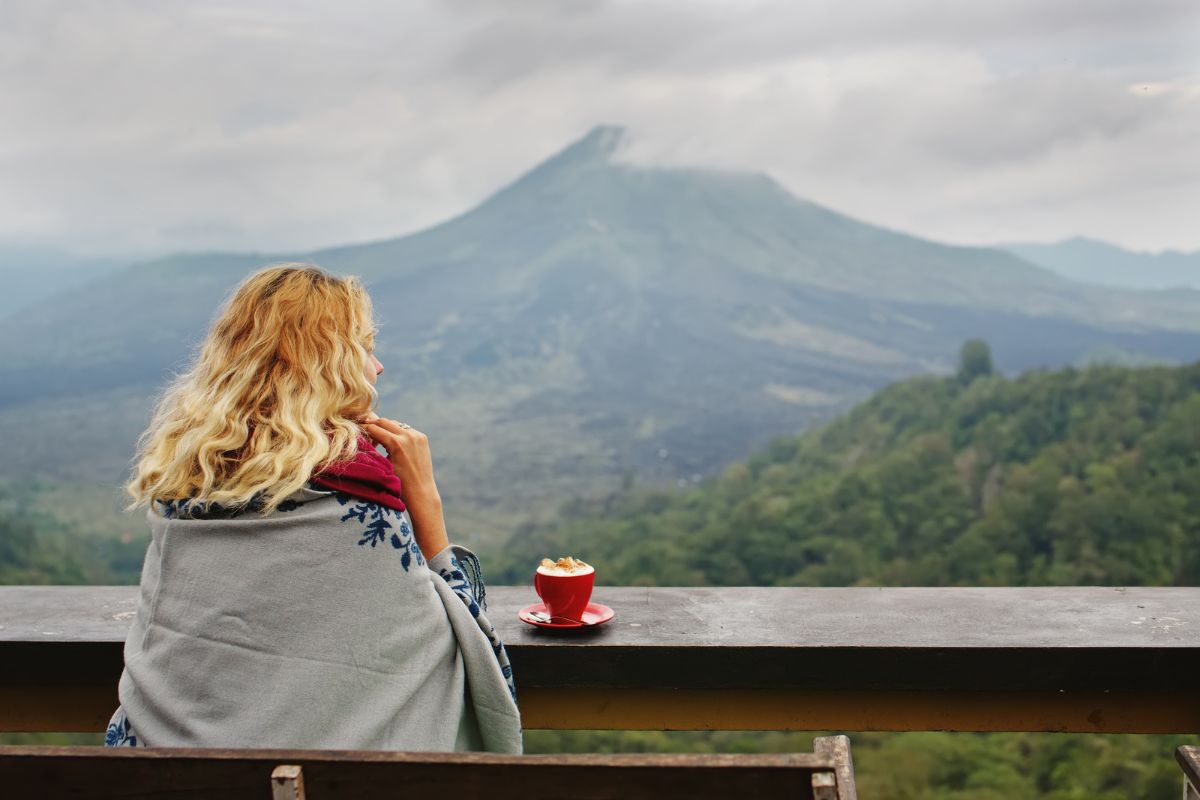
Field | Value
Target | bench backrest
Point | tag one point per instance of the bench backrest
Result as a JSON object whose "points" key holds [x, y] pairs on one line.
{"points": [[91, 773]]}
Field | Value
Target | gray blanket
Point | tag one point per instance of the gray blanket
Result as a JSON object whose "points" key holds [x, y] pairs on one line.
{"points": [[319, 626]]}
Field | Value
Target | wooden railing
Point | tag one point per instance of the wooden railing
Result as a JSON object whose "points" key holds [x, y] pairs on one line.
{"points": [[1089, 659]]}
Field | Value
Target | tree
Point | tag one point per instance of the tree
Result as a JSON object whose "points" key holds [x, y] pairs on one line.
{"points": [[974, 361]]}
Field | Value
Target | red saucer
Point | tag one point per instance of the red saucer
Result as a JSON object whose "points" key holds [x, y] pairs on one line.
{"points": [[594, 614]]}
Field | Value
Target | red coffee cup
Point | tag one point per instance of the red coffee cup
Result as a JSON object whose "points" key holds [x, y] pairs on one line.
{"points": [[565, 594]]}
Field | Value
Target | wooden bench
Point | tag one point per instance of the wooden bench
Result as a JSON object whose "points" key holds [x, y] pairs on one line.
{"points": [[96, 773]]}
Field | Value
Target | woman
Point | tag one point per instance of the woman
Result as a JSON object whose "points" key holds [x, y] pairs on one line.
{"points": [[299, 590]]}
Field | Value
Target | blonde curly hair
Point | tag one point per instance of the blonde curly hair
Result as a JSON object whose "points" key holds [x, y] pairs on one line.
{"points": [[272, 397]]}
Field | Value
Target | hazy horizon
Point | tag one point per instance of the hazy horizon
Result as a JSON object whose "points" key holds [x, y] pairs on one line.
{"points": [[269, 127], [18, 244]]}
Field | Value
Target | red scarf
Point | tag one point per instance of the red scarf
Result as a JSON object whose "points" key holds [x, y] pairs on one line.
{"points": [[369, 476]]}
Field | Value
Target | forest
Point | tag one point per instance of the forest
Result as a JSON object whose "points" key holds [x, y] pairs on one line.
{"points": [[1070, 477]]}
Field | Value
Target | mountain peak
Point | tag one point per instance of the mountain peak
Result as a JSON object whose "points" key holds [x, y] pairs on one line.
{"points": [[598, 145], [596, 148], [1084, 241], [591, 154]]}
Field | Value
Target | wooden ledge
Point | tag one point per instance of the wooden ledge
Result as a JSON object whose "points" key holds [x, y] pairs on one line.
{"points": [[1091, 659]]}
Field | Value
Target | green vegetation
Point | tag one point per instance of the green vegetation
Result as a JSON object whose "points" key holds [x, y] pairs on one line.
{"points": [[29, 553], [1073, 477], [974, 361], [37, 547]]}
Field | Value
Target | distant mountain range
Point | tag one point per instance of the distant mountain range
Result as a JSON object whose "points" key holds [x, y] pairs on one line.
{"points": [[32, 274], [1099, 262], [593, 319]]}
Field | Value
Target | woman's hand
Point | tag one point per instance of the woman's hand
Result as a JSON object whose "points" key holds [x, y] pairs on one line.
{"points": [[408, 450]]}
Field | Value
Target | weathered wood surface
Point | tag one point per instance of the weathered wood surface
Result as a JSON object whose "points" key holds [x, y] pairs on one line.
{"points": [[837, 749], [1091, 659], [994, 639], [1188, 757], [95, 773], [287, 782]]}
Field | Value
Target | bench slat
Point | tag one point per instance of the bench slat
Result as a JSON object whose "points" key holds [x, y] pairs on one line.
{"points": [[90, 773]]}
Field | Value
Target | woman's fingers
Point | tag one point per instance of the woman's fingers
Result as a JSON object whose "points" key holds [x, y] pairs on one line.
{"points": [[395, 427], [408, 450], [408, 440], [389, 424], [382, 435]]}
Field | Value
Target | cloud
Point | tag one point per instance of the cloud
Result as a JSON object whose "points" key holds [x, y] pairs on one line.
{"points": [[287, 126]]}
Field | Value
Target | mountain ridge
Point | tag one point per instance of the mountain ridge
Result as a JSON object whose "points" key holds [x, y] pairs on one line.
{"points": [[1091, 260]]}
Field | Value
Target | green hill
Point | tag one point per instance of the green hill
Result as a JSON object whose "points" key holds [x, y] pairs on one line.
{"points": [[1071, 477]]}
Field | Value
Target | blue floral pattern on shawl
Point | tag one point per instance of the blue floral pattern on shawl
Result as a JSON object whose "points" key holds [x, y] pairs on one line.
{"points": [[472, 593], [119, 733], [382, 524]]}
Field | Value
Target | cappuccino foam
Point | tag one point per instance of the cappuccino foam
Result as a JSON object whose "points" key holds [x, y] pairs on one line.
{"points": [[564, 566]]}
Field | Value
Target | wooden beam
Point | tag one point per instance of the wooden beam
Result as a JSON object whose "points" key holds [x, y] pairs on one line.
{"points": [[55, 708], [190, 774], [58, 709], [792, 709]]}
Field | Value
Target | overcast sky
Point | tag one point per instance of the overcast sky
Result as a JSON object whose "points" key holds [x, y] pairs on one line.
{"points": [[149, 126]]}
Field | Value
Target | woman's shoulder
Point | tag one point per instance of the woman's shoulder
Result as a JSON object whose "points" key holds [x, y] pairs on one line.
{"points": [[377, 525], [200, 509], [361, 523]]}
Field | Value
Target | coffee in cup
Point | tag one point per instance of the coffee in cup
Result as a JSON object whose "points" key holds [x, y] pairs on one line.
{"points": [[565, 586]]}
